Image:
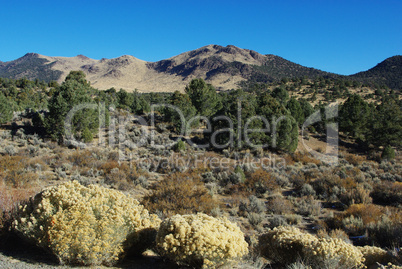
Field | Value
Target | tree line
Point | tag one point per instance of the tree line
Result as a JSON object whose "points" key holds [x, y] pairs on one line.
{"points": [[377, 124]]}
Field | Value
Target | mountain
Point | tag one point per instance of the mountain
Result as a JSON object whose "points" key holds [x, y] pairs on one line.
{"points": [[31, 66], [388, 72], [223, 67]]}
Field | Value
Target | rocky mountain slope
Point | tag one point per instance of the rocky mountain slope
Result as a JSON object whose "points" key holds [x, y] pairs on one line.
{"points": [[223, 67]]}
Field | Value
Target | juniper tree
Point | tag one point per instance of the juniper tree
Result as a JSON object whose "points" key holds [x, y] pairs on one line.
{"points": [[75, 90], [203, 97], [6, 111], [353, 116]]}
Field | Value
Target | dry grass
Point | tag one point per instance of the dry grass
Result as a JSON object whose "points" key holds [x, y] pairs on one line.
{"points": [[368, 213], [304, 158], [11, 197], [260, 182], [388, 193], [180, 193], [279, 205], [354, 159], [14, 172]]}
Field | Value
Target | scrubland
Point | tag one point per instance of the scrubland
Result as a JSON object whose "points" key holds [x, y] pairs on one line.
{"points": [[198, 208]]}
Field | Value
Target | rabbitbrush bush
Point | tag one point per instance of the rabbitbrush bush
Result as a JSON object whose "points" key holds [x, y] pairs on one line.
{"points": [[333, 253], [285, 245], [200, 240], [373, 255], [85, 225]]}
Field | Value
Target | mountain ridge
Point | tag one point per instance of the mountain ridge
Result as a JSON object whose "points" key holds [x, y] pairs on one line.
{"points": [[388, 72], [223, 67]]}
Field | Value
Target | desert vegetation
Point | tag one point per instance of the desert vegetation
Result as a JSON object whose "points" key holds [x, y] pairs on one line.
{"points": [[131, 177]]}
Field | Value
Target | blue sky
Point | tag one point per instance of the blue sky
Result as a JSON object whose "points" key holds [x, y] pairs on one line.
{"points": [[338, 36]]}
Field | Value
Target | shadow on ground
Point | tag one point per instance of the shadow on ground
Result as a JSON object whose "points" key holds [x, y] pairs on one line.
{"points": [[15, 248]]}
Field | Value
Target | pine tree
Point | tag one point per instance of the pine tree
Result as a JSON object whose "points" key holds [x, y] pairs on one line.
{"points": [[388, 153], [203, 97]]}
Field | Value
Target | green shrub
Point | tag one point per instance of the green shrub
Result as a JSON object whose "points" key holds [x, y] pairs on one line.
{"points": [[87, 135], [200, 240], [253, 206], [388, 153], [241, 177], [180, 146], [6, 111], [37, 120], [308, 206], [85, 225]]}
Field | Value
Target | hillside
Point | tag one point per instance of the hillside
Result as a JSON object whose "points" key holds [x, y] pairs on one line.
{"points": [[388, 72], [223, 67]]}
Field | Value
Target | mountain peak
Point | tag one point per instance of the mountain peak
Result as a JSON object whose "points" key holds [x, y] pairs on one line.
{"points": [[230, 53], [82, 57], [30, 55]]}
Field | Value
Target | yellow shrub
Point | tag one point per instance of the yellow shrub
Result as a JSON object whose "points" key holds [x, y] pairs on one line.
{"points": [[200, 240], [372, 255], [392, 266], [333, 252], [285, 245], [85, 225]]}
